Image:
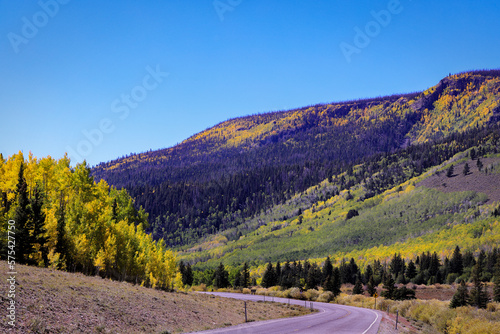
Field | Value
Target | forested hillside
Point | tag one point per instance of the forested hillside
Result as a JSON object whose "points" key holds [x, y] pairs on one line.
{"points": [[228, 174], [59, 217]]}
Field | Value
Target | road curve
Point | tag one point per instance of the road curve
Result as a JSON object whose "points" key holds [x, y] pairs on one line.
{"points": [[330, 318]]}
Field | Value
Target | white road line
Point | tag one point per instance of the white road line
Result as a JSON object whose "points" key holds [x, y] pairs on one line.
{"points": [[374, 321]]}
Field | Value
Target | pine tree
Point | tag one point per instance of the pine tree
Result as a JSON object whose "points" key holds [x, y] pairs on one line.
{"points": [[23, 219], [371, 288], [358, 287], [245, 276], [327, 268], [450, 171], [333, 283], [189, 276], [269, 277], [39, 230], [461, 297], [221, 279], [479, 164], [61, 246], [466, 169], [496, 287], [456, 262], [411, 270], [478, 295], [389, 287]]}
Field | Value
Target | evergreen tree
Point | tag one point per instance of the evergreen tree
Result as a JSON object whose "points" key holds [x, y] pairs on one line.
{"points": [[23, 219], [371, 288], [472, 154], [358, 287], [496, 287], [188, 278], [466, 169], [245, 276], [269, 277], [389, 286], [61, 246], [278, 272], [327, 268], [479, 164], [411, 270], [368, 273], [478, 295], [221, 279], [450, 171], [456, 262], [461, 297], [397, 265], [334, 283], [313, 277], [39, 230]]}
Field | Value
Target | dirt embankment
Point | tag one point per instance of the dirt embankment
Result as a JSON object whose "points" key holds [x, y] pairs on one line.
{"points": [[50, 301]]}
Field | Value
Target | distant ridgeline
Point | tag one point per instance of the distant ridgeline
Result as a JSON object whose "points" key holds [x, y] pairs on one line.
{"points": [[218, 179]]}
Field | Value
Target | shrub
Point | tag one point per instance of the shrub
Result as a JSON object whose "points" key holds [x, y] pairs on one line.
{"points": [[326, 297], [296, 293], [311, 294]]}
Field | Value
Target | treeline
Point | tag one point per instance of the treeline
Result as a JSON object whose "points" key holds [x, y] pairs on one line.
{"points": [[426, 269], [63, 219]]}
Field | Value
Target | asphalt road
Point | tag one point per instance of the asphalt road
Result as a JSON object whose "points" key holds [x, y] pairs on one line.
{"points": [[330, 318]]}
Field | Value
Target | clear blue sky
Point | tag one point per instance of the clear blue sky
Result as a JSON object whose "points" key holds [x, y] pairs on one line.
{"points": [[84, 66]]}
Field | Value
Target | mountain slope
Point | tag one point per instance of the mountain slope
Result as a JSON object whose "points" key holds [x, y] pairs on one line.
{"points": [[219, 178], [430, 212]]}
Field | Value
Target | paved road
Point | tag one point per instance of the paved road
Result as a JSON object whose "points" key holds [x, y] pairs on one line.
{"points": [[331, 318]]}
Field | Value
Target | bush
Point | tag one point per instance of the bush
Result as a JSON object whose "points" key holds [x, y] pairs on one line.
{"points": [[246, 291], [296, 293], [326, 297], [311, 294]]}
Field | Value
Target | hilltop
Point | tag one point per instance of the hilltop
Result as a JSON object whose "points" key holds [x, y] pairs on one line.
{"points": [[221, 177]]}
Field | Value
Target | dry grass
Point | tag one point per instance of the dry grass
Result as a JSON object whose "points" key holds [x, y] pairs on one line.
{"points": [[475, 181], [60, 302]]}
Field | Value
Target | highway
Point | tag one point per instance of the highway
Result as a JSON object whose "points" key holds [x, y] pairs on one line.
{"points": [[330, 318]]}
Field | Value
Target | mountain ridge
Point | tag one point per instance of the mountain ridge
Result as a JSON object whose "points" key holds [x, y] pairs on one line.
{"points": [[219, 177]]}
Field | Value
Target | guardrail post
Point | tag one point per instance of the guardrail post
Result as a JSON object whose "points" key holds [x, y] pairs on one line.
{"points": [[397, 316], [246, 320]]}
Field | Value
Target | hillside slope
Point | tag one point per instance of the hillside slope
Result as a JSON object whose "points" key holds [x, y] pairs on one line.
{"points": [[52, 301], [218, 178], [430, 212]]}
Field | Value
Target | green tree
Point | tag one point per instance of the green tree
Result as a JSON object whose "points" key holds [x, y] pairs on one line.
{"points": [[479, 164], [461, 296], [456, 262], [269, 277], [23, 219], [245, 276], [61, 242], [478, 295], [39, 230], [411, 270], [450, 171], [496, 287], [389, 286], [327, 268], [371, 287], [333, 283], [358, 287], [221, 279], [466, 169]]}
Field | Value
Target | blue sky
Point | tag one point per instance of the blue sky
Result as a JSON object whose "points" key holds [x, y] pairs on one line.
{"points": [[102, 79]]}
